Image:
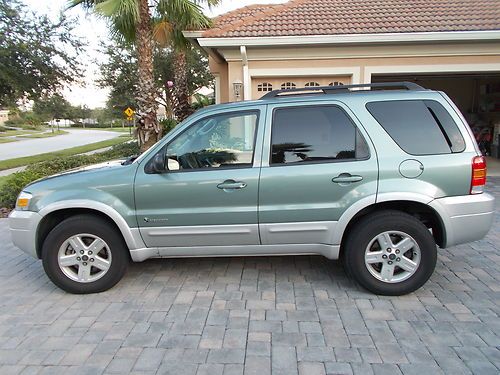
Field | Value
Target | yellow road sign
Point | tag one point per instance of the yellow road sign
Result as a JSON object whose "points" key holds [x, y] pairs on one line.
{"points": [[129, 112], [130, 118]]}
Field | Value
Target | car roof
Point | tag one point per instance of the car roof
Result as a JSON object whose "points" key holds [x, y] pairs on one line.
{"points": [[365, 95]]}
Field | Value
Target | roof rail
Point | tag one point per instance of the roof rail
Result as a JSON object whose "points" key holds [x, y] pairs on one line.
{"points": [[343, 88]]}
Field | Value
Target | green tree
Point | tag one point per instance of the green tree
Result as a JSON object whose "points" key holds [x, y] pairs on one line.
{"points": [[52, 107], [138, 22], [119, 73], [37, 56]]}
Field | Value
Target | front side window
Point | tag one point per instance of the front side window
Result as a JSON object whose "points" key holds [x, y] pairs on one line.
{"points": [[315, 134], [221, 141]]}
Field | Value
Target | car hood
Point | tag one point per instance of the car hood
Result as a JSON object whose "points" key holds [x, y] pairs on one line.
{"points": [[113, 164]]}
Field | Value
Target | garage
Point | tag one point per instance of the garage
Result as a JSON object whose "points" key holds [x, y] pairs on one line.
{"points": [[477, 95], [261, 85]]}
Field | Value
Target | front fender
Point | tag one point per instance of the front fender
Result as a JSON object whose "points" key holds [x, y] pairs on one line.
{"points": [[131, 235]]}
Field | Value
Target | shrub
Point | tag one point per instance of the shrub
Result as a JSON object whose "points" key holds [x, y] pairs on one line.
{"points": [[14, 183], [168, 125]]}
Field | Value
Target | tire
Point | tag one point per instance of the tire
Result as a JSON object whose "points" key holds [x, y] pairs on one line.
{"points": [[413, 261], [91, 271]]}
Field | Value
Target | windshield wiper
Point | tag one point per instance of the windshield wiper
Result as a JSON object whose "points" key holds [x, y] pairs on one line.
{"points": [[130, 160]]}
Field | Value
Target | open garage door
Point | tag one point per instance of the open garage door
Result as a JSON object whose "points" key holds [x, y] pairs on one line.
{"points": [[477, 95]]}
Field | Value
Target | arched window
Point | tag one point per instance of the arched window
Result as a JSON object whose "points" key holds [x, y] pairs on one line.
{"points": [[312, 84], [288, 85], [265, 86], [336, 83]]}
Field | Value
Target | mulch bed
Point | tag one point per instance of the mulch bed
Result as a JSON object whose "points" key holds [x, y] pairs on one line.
{"points": [[4, 212]]}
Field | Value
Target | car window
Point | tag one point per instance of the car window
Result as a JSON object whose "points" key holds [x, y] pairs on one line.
{"points": [[225, 140], [419, 127], [314, 134]]}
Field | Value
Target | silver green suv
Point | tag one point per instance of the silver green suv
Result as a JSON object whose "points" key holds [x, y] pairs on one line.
{"points": [[375, 175]]}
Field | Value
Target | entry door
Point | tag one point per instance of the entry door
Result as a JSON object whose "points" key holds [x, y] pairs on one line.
{"points": [[208, 194], [317, 162]]}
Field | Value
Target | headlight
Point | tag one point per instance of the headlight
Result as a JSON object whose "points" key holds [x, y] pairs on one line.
{"points": [[23, 201]]}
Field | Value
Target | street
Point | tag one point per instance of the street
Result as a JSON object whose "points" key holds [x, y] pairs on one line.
{"points": [[75, 137], [288, 315]]}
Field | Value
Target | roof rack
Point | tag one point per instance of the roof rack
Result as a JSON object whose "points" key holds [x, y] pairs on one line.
{"points": [[343, 88]]}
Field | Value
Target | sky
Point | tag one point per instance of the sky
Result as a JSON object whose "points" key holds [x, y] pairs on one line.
{"points": [[93, 30]]}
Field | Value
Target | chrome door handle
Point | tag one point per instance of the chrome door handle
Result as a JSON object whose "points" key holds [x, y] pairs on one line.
{"points": [[346, 178], [232, 185]]}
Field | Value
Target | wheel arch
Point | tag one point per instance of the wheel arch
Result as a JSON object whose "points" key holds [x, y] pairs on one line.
{"points": [[54, 214], [419, 209]]}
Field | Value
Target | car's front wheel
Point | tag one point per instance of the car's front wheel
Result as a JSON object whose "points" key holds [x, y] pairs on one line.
{"points": [[390, 253], [84, 254]]}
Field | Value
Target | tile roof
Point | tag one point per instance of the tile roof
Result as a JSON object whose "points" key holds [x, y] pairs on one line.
{"points": [[337, 17]]}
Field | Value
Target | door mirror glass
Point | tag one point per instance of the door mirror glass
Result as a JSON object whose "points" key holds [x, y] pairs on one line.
{"points": [[157, 164]]}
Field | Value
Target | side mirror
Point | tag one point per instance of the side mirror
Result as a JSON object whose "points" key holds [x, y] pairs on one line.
{"points": [[157, 164], [172, 164]]}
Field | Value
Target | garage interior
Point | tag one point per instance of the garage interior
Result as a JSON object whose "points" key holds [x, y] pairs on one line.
{"points": [[477, 95]]}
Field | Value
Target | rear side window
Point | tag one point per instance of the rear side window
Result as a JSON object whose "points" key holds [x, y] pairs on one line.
{"points": [[314, 135], [419, 127]]}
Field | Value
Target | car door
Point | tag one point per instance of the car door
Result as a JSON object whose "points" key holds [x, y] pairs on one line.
{"points": [[317, 162], [207, 196]]}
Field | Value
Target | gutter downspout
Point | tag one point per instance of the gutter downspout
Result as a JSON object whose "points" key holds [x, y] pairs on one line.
{"points": [[246, 74]]}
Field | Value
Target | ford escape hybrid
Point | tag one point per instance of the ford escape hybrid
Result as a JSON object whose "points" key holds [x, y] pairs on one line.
{"points": [[376, 175]]}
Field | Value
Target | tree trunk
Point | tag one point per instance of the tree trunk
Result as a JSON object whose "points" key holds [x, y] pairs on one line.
{"points": [[181, 91], [148, 128]]}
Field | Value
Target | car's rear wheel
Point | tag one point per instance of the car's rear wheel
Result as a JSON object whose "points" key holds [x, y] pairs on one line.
{"points": [[390, 253], [84, 254]]}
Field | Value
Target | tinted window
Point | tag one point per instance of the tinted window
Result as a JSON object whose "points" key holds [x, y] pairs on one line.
{"points": [[214, 142], [418, 127], [314, 134]]}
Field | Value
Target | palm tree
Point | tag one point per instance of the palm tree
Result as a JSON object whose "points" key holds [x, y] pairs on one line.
{"points": [[168, 31], [143, 22]]}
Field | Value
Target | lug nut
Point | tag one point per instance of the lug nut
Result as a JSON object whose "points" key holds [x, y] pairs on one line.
{"points": [[388, 249], [398, 259], [91, 259], [384, 256], [81, 251], [389, 262], [90, 252], [78, 258], [84, 263], [397, 251]]}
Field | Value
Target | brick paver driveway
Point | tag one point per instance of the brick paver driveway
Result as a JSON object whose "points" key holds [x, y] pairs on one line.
{"points": [[288, 315]]}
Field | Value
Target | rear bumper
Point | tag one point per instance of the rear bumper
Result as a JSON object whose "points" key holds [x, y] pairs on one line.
{"points": [[23, 226], [466, 218]]}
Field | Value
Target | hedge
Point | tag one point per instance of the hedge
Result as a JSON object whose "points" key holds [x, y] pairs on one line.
{"points": [[13, 184]]}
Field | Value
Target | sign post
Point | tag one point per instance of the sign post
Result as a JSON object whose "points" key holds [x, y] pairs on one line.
{"points": [[129, 113]]}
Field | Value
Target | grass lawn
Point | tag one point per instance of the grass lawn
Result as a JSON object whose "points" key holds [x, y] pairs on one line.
{"points": [[7, 140], [114, 129], [10, 133], [18, 162], [44, 135]]}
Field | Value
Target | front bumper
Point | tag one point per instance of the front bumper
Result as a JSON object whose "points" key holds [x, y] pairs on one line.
{"points": [[466, 218], [23, 226]]}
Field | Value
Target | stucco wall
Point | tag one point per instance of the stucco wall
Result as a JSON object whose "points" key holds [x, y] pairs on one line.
{"points": [[355, 63]]}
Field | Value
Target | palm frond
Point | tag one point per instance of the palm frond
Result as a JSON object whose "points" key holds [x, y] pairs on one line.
{"points": [[122, 14]]}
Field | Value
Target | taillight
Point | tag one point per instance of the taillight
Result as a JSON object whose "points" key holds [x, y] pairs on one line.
{"points": [[478, 179]]}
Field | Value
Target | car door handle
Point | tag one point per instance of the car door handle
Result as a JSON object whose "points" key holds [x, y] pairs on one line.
{"points": [[346, 178], [232, 185]]}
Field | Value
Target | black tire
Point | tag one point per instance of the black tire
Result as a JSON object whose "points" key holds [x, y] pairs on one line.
{"points": [[92, 225], [370, 227]]}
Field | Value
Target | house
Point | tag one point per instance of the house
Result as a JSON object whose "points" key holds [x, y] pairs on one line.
{"points": [[450, 45], [4, 116]]}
